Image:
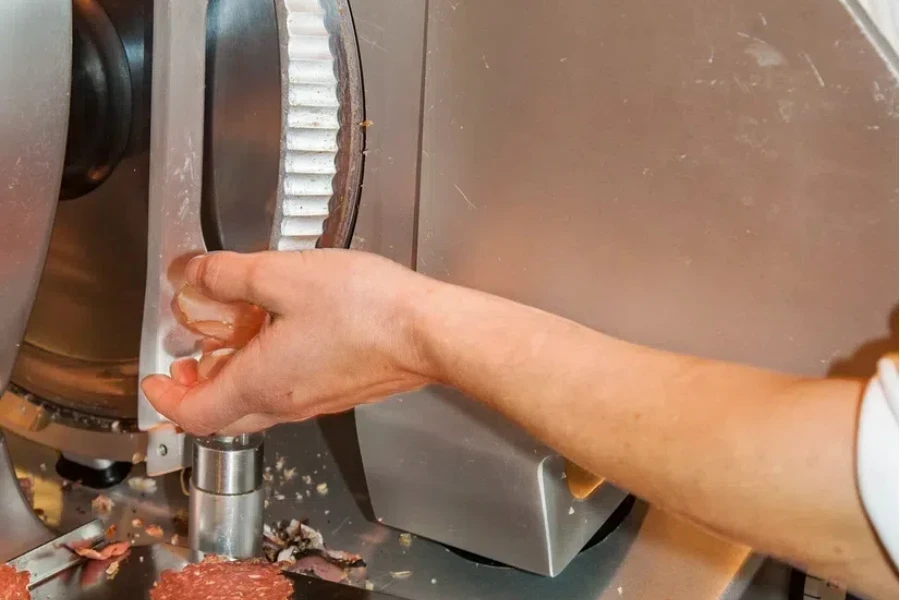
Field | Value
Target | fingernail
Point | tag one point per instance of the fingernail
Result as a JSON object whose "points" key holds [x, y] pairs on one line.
{"points": [[151, 383], [192, 267]]}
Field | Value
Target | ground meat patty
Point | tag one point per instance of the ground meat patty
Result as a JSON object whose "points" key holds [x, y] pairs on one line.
{"points": [[223, 580], [13, 584]]}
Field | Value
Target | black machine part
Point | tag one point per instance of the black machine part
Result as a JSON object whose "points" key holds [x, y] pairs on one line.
{"points": [[100, 110]]}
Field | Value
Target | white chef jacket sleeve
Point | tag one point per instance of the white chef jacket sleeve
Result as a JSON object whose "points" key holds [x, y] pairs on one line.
{"points": [[877, 452]]}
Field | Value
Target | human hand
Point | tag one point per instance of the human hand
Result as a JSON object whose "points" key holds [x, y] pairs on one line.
{"points": [[340, 334]]}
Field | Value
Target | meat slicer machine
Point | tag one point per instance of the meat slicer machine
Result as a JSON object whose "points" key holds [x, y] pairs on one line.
{"points": [[723, 194]]}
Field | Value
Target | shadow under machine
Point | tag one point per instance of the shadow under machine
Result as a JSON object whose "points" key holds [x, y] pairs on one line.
{"points": [[724, 194]]}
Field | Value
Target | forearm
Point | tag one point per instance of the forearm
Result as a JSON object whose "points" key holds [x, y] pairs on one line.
{"points": [[764, 458]]}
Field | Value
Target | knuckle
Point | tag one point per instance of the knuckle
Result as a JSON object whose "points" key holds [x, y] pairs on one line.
{"points": [[167, 403], [257, 272], [209, 271], [262, 277], [184, 414]]}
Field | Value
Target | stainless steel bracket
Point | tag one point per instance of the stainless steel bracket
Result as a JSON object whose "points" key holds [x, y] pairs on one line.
{"points": [[174, 228], [53, 557]]}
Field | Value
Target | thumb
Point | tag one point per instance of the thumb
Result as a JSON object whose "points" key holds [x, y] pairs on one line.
{"points": [[256, 278]]}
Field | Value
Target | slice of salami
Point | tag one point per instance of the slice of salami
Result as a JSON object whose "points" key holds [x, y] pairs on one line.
{"points": [[217, 579], [13, 584]]}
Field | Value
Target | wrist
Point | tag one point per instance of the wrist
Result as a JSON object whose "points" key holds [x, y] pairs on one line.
{"points": [[420, 315]]}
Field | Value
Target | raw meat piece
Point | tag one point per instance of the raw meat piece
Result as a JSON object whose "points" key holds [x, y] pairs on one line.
{"points": [[218, 579], [108, 551], [233, 325], [301, 549], [13, 584]]}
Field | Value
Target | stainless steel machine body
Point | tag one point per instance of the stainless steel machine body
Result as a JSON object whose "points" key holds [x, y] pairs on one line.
{"points": [[716, 179], [31, 156], [31, 159], [314, 191]]}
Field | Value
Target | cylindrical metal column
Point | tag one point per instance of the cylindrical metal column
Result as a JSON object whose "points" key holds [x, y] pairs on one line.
{"points": [[226, 504]]}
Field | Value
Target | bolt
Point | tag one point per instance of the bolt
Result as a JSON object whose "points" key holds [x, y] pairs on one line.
{"points": [[162, 450]]}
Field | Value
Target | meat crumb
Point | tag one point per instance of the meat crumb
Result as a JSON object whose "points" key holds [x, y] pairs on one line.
{"points": [[369, 585], [307, 479], [322, 488], [109, 551], [102, 505], [289, 474], [279, 464], [137, 523], [174, 539], [154, 531], [401, 574], [433, 581], [144, 485], [111, 532], [405, 540], [112, 569], [571, 510]]}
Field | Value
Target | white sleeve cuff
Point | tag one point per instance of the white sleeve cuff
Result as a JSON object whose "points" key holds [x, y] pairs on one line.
{"points": [[877, 452]]}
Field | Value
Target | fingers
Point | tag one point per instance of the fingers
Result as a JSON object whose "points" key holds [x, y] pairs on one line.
{"points": [[184, 371], [231, 277], [172, 399], [190, 407], [166, 395], [209, 406], [213, 362]]}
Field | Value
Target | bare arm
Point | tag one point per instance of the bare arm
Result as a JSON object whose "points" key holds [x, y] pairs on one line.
{"points": [[759, 457], [763, 458]]}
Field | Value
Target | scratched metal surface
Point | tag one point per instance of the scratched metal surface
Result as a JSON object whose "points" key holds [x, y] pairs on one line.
{"points": [[650, 555], [391, 39], [715, 177]]}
